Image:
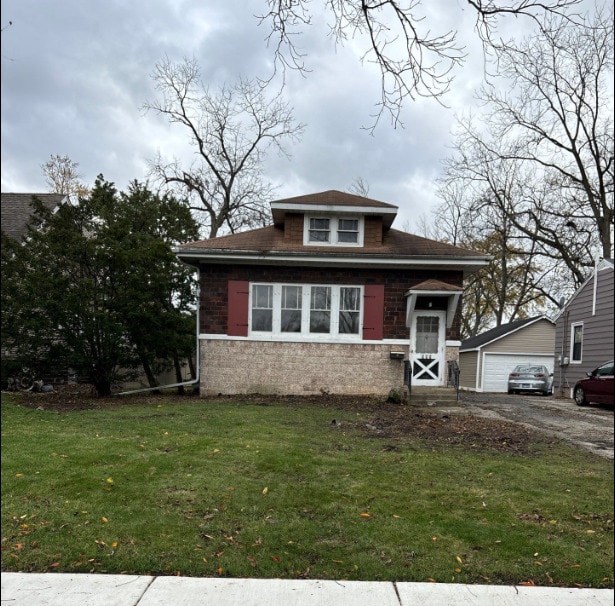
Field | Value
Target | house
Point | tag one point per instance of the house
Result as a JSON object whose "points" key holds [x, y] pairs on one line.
{"points": [[486, 359], [17, 211], [584, 329], [328, 299]]}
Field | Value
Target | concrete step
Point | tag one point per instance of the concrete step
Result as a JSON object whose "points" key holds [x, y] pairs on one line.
{"points": [[432, 397]]}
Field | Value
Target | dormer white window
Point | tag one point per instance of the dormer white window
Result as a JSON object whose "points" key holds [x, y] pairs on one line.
{"points": [[333, 231]]}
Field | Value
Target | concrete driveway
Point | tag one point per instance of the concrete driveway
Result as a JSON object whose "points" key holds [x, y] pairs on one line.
{"points": [[589, 427]]}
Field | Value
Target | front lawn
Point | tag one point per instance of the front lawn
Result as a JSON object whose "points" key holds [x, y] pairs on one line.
{"points": [[169, 486]]}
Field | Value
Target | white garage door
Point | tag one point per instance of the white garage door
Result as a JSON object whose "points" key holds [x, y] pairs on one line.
{"points": [[497, 367]]}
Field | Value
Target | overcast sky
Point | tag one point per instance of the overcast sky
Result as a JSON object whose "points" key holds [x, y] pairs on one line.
{"points": [[75, 75]]}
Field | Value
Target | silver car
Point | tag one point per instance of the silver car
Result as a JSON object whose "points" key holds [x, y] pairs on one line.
{"points": [[531, 377]]}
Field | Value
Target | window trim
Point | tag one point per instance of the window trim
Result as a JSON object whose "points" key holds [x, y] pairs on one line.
{"points": [[573, 327], [306, 293], [334, 230]]}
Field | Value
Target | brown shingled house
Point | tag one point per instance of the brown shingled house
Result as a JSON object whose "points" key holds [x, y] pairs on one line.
{"points": [[329, 299]]}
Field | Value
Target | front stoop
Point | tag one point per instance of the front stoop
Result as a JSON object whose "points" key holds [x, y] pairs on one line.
{"points": [[432, 397]]}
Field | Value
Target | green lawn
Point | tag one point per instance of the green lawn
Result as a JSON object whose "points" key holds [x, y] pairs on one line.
{"points": [[242, 489]]}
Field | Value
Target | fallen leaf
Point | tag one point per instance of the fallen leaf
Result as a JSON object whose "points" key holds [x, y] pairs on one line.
{"points": [[265, 490], [459, 560], [104, 519], [109, 480], [19, 475], [276, 559], [457, 569], [366, 515]]}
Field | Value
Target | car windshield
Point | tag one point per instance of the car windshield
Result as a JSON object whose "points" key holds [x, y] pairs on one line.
{"points": [[529, 369]]}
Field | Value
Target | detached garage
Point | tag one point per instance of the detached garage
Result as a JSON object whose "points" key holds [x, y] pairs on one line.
{"points": [[486, 360]]}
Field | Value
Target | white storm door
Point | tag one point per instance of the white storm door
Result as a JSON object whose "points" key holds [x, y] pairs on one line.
{"points": [[427, 345]]}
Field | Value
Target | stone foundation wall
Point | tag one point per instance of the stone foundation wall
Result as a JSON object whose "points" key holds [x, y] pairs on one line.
{"points": [[236, 367]]}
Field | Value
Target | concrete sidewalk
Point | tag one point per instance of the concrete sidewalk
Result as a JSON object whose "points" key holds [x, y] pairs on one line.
{"points": [[35, 589]]}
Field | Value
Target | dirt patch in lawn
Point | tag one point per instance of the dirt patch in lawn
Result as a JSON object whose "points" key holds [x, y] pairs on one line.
{"points": [[375, 418]]}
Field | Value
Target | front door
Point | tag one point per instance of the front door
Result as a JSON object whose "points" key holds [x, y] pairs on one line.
{"points": [[427, 343]]}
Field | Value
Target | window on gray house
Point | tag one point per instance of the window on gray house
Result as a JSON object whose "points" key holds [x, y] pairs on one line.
{"points": [[577, 342]]}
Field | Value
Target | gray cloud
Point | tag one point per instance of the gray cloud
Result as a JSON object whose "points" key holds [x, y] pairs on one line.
{"points": [[74, 75]]}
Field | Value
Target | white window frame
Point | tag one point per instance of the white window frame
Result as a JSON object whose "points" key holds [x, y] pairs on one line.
{"points": [[573, 326], [334, 230], [305, 334]]}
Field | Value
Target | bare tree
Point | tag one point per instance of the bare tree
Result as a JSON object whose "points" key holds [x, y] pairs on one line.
{"points": [[62, 176], [360, 187], [544, 153], [231, 131], [509, 287], [414, 61]]}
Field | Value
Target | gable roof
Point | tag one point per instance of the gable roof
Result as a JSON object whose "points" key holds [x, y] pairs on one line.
{"points": [[17, 211], [602, 265], [498, 333]]}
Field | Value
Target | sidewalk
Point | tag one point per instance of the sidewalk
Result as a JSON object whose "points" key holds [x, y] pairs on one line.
{"points": [[35, 589]]}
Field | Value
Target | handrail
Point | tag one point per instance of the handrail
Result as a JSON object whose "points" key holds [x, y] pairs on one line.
{"points": [[453, 375]]}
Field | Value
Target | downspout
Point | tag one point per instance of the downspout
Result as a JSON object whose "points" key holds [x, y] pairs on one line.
{"points": [[192, 382], [595, 285]]}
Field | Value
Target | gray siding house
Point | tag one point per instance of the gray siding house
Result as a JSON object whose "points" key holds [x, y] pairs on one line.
{"points": [[486, 359], [584, 329]]}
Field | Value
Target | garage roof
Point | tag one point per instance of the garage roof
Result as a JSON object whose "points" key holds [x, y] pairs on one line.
{"points": [[498, 332]]}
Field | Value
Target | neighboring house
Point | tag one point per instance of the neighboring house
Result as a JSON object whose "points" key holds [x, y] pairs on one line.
{"points": [[486, 360], [17, 211], [584, 329], [329, 299]]}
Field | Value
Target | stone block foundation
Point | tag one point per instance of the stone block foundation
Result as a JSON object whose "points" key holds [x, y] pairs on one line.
{"points": [[264, 367]]}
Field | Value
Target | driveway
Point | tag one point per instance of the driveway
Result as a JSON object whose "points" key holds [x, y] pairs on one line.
{"points": [[589, 427]]}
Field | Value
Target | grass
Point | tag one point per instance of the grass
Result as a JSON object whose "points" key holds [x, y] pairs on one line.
{"points": [[238, 489]]}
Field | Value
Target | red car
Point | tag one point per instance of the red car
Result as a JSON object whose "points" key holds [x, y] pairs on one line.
{"points": [[597, 387]]}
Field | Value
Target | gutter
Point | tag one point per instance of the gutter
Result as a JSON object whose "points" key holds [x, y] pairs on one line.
{"points": [[192, 382]]}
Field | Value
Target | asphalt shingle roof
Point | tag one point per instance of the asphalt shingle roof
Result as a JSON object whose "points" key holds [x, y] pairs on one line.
{"points": [[17, 210], [496, 333], [271, 239]]}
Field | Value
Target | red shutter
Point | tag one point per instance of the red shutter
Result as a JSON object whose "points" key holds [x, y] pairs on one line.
{"points": [[373, 312], [238, 297]]}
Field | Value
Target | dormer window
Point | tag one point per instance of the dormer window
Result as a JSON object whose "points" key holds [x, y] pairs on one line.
{"points": [[333, 231], [320, 230]]}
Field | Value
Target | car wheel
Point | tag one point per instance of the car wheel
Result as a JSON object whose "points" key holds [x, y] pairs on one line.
{"points": [[579, 396]]}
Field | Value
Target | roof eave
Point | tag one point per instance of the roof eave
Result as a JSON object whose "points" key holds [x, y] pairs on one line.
{"points": [[217, 256]]}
